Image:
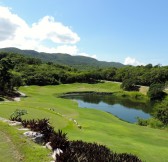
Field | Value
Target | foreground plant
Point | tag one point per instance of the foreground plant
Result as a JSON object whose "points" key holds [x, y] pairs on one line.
{"points": [[79, 151], [16, 115], [74, 151], [40, 125]]}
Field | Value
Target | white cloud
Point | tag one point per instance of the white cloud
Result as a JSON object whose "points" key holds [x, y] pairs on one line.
{"points": [[45, 29], [132, 61], [48, 28], [87, 55], [15, 32], [10, 25], [65, 49]]}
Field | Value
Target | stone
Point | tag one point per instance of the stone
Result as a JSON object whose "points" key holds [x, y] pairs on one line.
{"points": [[56, 152], [48, 146], [14, 123], [35, 136], [17, 99], [39, 139], [31, 134], [23, 129], [22, 94]]}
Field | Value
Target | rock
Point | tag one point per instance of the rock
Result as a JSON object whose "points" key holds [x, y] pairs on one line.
{"points": [[24, 129], [75, 122], [48, 146], [17, 99], [14, 123], [22, 94], [2, 118], [31, 134], [56, 152], [36, 136], [39, 139], [5, 120]]}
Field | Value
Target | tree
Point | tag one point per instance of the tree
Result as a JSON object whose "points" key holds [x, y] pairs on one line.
{"points": [[5, 75], [156, 91], [162, 115], [161, 112], [128, 84]]}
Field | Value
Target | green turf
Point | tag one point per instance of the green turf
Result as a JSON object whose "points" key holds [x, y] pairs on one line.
{"points": [[14, 147], [149, 144]]}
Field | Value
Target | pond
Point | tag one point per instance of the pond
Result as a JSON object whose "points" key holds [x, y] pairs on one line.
{"points": [[122, 107]]}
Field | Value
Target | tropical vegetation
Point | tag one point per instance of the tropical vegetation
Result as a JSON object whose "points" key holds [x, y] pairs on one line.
{"points": [[44, 82]]}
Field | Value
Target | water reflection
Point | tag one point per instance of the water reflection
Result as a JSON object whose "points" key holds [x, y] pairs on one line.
{"points": [[122, 107]]}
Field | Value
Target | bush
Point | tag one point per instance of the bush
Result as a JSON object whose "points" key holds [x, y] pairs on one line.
{"points": [[92, 152], [152, 122], [142, 122], [59, 140], [16, 115], [155, 91], [40, 125], [155, 123], [161, 111], [128, 85], [162, 115], [75, 151]]}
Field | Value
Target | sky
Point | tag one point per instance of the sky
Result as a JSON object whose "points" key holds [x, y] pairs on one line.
{"points": [[131, 32]]}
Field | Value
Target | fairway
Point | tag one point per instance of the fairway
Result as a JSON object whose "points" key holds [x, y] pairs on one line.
{"points": [[149, 144]]}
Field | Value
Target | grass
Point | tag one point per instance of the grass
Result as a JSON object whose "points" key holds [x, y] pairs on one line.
{"points": [[149, 144], [14, 147]]}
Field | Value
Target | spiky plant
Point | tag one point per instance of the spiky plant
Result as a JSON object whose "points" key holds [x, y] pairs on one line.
{"points": [[59, 140]]}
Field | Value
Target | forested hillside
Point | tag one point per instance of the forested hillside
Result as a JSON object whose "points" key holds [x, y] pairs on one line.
{"points": [[16, 70], [80, 62]]}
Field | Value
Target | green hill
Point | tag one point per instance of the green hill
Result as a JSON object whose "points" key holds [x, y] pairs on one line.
{"points": [[80, 62]]}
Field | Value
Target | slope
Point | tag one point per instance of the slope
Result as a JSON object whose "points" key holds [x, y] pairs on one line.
{"points": [[66, 59], [97, 126]]}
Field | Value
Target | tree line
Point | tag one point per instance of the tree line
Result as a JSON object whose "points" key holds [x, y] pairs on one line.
{"points": [[16, 70]]}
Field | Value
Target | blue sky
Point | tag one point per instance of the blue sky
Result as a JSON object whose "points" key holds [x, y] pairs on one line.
{"points": [[126, 31]]}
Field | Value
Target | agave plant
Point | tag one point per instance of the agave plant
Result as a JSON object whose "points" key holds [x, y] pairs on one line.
{"points": [[76, 151], [59, 140], [80, 151], [41, 125]]}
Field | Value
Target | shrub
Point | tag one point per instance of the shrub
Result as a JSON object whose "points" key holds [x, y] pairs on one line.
{"points": [[39, 125], [162, 115], [152, 122], [155, 91], [142, 122], [128, 84], [161, 111], [92, 152], [59, 140], [155, 123], [16, 115], [75, 151]]}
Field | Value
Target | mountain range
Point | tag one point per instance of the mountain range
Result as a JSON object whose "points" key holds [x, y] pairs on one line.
{"points": [[81, 62]]}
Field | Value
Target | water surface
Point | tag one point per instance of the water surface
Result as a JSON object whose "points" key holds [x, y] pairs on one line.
{"points": [[122, 107]]}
